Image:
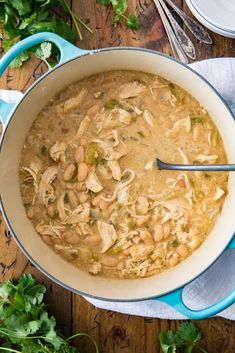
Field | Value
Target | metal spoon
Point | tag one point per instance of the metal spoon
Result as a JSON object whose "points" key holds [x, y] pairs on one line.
{"points": [[175, 46], [196, 167], [195, 28], [182, 37]]}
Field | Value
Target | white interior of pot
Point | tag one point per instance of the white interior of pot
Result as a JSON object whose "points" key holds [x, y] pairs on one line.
{"points": [[41, 254]]}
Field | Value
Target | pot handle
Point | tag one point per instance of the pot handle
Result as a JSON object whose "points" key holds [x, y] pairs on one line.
{"points": [[175, 300], [67, 51]]}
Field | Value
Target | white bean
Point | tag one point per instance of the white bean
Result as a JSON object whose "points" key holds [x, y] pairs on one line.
{"points": [[146, 236], [182, 250], [142, 220], [158, 232], [80, 187], [110, 261], [47, 239], [166, 229], [30, 212], [79, 155], [82, 197], [82, 171], [173, 261], [69, 172], [70, 237], [96, 200], [92, 239], [73, 200]]}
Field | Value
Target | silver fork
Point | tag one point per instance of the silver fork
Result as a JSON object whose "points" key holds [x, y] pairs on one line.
{"points": [[196, 29], [175, 45]]}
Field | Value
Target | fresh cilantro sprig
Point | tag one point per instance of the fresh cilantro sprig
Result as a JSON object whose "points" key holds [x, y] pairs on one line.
{"points": [[187, 337], [21, 18], [120, 7], [25, 325]]}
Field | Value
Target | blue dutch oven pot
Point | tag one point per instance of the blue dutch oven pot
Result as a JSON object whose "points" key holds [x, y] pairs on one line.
{"points": [[75, 64]]}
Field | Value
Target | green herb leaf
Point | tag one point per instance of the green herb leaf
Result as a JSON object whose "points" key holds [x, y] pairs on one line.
{"points": [[44, 52], [167, 341], [25, 326], [120, 7], [104, 2], [132, 22], [19, 60], [189, 332], [111, 104], [23, 7], [187, 337], [19, 19]]}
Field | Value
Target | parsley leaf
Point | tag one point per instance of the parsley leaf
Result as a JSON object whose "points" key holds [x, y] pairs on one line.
{"points": [[25, 325], [23, 7], [19, 60], [19, 19], [187, 337], [120, 8], [44, 52], [132, 22]]}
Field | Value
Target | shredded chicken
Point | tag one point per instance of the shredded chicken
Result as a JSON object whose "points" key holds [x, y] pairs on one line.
{"points": [[74, 102], [49, 229], [45, 190], [131, 89], [79, 214], [57, 151], [95, 268], [206, 158], [82, 128], [148, 118], [178, 125], [115, 169], [123, 116], [33, 172], [92, 183], [218, 193], [108, 235], [183, 156]]}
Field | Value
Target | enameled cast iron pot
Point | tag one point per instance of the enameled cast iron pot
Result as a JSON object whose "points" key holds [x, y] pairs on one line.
{"points": [[74, 65]]}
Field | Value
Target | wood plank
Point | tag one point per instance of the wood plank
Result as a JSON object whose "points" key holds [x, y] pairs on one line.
{"points": [[114, 332]]}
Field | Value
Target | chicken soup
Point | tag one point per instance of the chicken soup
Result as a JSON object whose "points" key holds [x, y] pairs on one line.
{"points": [[89, 181]]}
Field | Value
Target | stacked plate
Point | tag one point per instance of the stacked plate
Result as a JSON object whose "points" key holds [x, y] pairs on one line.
{"points": [[217, 15]]}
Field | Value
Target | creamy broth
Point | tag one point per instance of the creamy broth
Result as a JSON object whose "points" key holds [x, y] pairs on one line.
{"points": [[89, 180]]}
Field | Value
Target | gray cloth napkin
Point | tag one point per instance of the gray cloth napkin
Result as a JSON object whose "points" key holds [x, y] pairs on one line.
{"points": [[217, 281]]}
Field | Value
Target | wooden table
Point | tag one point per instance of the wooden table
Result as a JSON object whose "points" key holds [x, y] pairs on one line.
{"points": [[114, 332]]}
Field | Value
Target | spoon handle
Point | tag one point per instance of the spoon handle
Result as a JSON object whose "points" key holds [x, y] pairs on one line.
{"points": [[182, 37], [196, 167], [196, 29], [175, 46]]}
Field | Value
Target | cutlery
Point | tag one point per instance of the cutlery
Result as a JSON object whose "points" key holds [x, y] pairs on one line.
{"points": [[180, 34], [175, 46], [196, 167], [195, 28]]}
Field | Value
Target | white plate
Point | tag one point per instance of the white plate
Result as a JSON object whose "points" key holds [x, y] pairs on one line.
{"points": [[203, 19], [220, 13]]}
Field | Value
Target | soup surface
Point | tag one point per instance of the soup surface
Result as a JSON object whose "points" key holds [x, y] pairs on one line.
{"points": [[89, 180]]}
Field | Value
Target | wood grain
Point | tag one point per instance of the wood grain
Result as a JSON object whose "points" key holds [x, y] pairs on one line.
{"points": [[115, 333]]}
